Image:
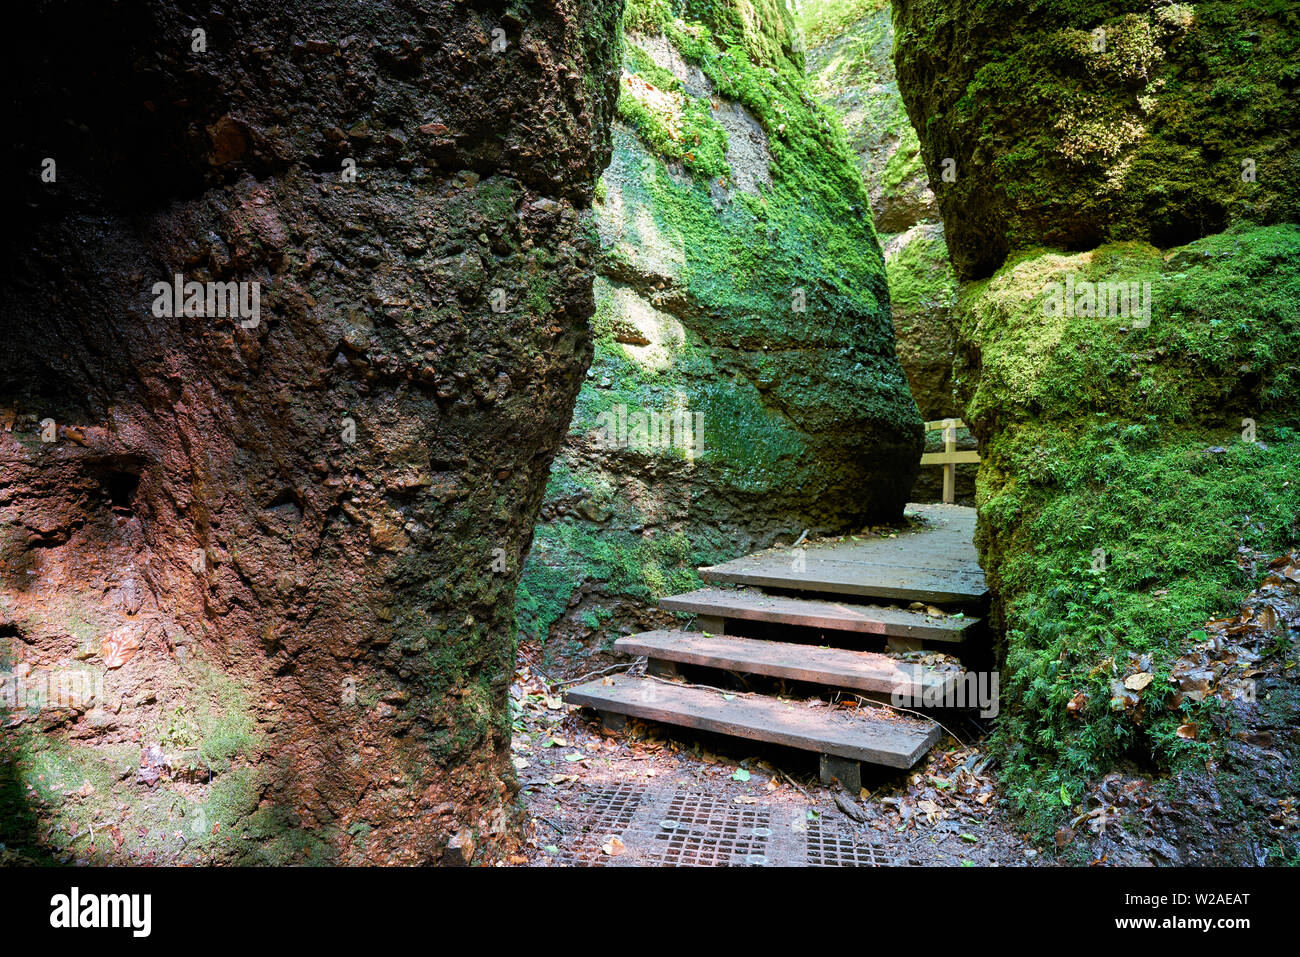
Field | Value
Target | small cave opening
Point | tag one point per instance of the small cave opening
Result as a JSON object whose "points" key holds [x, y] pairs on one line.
{"points": [[121, 488], [119, 484], [288, 504]]}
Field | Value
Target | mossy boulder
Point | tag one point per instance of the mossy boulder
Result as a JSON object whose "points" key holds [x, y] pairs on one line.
{"points": [[1120, 206], [741, 284], [1074, 123], [849, 46], [1135, 470]]}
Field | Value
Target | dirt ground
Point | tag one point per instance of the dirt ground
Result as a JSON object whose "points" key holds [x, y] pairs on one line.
{"points": [[661, 796]]}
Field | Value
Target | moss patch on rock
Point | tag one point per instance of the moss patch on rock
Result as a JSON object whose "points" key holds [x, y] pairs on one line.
{"points": [[742, 283], [1128, 473], [1077, 122]]}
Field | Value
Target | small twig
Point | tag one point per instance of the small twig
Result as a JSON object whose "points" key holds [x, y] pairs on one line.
{"points": [[795, 784], [687, 684], [549, 823], [553, 682], [886, 704]]}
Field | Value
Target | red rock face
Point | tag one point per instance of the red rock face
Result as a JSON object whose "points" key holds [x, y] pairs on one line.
{"points": [[285, 542]]}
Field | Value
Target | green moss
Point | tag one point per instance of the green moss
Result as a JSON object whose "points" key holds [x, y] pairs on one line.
{"points": [[920, 280], [1215, 343], [752, 298], [1170, 517], [1099, 435], [39, 776], [273, 836], [905, 162], [647, 16], [216, 724], [823, 20], [670, 121], [567, 556], [1145, 139]]}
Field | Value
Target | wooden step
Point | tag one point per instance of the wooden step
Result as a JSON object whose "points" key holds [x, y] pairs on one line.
{"points": [[893, 582], [873, 734], [834, 667], [752, 605], [933, 563]]}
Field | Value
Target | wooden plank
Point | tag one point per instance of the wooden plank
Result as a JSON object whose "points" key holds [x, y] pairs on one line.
{"points": [[969, 457], [750, 604], [834, 667], [938, 424], [873, 734], [881, 581], [935, 563]]}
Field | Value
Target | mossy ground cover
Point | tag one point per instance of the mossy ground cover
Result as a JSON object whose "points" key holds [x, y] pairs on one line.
{"points": [[61, 801], [1104, 439]]}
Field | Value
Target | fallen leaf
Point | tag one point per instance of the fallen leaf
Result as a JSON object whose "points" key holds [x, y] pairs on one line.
{"points": [[119, 647], [1138, 681], [614, 846]]}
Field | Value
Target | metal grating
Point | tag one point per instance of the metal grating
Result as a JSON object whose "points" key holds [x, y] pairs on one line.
{"points": [[600, 813], [828, 846], [701, 831]]}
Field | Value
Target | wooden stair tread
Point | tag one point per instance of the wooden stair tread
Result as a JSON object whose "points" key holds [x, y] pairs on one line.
{"points": [[753, 605], [894, 582], [872, 734], [834, 667], [935, 563]]}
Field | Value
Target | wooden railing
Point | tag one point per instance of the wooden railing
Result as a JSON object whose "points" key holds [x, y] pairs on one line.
{"points": [[949, 458]]}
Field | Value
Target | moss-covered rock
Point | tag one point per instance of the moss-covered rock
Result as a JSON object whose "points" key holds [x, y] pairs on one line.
{"points": [[1134, 468], [850, 68], [740, 283], [1121, 201], [1079, 122], [287, 540]]}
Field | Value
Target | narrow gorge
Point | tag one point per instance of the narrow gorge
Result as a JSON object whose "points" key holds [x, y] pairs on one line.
{"points": [[375, 375]]}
